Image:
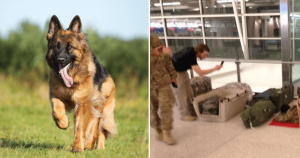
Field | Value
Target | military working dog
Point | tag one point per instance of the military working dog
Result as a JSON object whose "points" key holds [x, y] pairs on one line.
{"points": [[78, 81]]}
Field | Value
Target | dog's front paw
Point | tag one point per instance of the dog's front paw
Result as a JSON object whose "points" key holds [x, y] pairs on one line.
{"points": [[77, 148], [62, 123], [89, 146]]}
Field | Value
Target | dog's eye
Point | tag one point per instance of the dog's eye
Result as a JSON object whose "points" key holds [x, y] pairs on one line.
{"points": [[57, 46], [70, 47]]}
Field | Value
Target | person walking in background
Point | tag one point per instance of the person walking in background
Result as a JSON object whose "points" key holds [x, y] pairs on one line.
{"points": [[162, 74], [182, 61]]}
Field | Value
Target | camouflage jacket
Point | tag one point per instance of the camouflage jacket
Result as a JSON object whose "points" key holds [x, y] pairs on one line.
{"points": [[290, 116], [161, 71]]}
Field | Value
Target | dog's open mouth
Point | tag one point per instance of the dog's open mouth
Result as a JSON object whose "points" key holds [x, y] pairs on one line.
{"points": [[63, 73]]}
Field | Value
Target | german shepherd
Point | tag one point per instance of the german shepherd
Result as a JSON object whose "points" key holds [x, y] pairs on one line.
{"points": [[78, 81]]}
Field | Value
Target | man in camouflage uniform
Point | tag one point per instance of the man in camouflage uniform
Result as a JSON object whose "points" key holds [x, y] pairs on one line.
{"points": [[162, 74]]}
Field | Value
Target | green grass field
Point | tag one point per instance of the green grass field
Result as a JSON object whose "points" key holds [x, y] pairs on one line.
{"points": [[27, 128]]}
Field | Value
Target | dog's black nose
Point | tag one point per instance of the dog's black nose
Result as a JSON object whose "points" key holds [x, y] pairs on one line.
{"points": [[61, 60]]}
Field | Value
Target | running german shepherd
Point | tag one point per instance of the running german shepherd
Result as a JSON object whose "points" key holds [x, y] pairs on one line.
{"points": [[78, 81]]}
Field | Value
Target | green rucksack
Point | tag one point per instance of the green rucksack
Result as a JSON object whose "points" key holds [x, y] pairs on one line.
{"points": [[258, 113]]}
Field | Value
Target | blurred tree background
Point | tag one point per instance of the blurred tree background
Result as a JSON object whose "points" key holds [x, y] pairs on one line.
{"points": [[22, 55]]}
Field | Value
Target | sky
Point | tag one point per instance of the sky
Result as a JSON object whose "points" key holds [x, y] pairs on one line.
{"points": [[126, 19]]}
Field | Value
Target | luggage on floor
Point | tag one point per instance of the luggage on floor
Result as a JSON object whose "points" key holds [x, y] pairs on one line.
{"points": [[279, 97], [261, 111], [284, 96], [201, 85]]}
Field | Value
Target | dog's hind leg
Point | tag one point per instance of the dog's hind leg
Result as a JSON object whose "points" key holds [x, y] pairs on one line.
{"points": [[101, 139], [59, 113], [107, 126]]}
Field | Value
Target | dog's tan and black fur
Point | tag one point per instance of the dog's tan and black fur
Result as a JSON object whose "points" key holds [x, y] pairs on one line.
{"points": [[91, 92]]}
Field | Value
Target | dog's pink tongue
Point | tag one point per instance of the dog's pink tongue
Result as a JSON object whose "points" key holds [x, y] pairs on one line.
{"points": [[64, 74]]}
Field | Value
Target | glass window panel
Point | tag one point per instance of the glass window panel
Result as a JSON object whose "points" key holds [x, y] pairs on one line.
{"points": [[262, 6], [292, 49], [186, 7], [263, 26], [295, 23], [295, 5], [296, 47], [296, 77], [218, 7], [178, 44], [224, 48], [265, 49], [184, 27], [221, 27], [156, 27], [295, 30], [155, 9]]}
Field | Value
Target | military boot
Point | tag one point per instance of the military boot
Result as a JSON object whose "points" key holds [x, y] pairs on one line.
{"points": [[167, 138], [159, 135]]}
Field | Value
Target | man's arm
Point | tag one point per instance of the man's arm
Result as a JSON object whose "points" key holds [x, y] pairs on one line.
{"points": [[169, 67], [200, 72]]}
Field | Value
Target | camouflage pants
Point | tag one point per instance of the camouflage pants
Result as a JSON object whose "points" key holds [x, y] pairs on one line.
{"points": [[183, 94], [161, 99]]}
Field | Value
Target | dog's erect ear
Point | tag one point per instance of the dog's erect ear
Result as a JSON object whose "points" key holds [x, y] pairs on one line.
{"points": [[54, 26], [75, 25]]}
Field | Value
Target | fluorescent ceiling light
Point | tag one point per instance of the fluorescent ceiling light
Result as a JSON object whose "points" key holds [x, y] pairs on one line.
{"points": [[171, 3], [196, 9], [228, 1]]}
